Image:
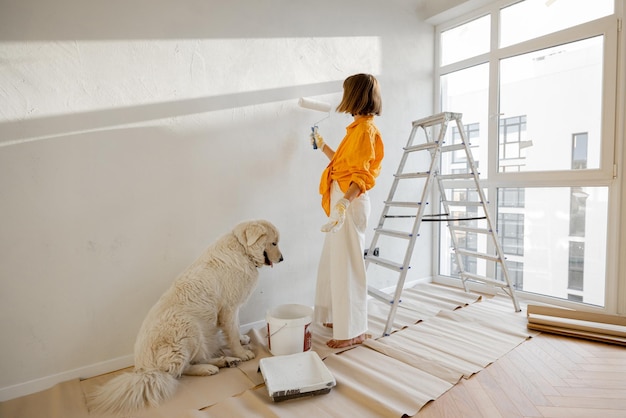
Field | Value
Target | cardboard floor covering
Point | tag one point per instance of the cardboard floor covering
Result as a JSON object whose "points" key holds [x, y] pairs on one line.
{"points": [[442, 335]]}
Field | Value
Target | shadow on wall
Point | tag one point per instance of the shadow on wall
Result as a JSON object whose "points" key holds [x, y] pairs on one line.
{"points": [[14, 132]]}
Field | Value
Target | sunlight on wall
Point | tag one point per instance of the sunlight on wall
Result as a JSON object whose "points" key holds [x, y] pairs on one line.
{"points": [[46, 78]]}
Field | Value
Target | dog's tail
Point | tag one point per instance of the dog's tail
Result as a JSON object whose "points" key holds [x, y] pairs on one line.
{"points": [[130, 392]]}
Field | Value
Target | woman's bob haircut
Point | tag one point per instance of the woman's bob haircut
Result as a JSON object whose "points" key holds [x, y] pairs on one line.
{"points": [[361, 96]]}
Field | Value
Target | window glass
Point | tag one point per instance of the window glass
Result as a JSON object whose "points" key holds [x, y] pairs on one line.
{"points": [[547, 97], [465, 41], [543, 254], [576, 279], [468, 218], [512, 197], [533, 18], [579, 150], [577, 211], [466, 92], [516, 274], [554, 256]]}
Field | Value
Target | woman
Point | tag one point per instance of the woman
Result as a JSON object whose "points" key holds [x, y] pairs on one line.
{"points": [[341, 294]]}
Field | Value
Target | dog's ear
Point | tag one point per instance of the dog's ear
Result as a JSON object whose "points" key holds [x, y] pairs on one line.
{"points": [[253, 233], [250, 233]]}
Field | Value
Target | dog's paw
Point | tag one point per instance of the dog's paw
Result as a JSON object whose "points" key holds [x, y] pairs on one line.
{"points": [[244, 339], [232, 361], [201, 370], [225, 361], [245, 355]]}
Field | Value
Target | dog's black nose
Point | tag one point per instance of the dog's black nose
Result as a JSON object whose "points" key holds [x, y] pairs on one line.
{"points": [[281, 259]]}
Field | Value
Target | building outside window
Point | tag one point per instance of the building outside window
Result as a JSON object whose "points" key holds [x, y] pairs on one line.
{"points": [[513, 141], [459, 160]]}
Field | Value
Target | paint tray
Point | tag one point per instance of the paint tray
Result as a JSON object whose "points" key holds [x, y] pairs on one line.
{"points": [[295, 376]]}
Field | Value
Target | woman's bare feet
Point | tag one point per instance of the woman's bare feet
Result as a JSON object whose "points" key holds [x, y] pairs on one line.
{"points": [[348, 343]]}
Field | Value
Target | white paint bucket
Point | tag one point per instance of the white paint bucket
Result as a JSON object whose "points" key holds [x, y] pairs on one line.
{"points": [[288, 329]]}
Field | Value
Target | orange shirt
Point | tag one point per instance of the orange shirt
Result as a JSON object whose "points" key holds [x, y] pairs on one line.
{"points": [[357, 160]]}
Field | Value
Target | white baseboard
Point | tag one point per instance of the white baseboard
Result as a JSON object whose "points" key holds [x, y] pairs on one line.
{"points": [[43, 383], [244, 329], [36, 385], [410, 284]]}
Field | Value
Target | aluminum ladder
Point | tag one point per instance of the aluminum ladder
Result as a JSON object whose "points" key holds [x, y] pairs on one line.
{"points": [[473, 218]]}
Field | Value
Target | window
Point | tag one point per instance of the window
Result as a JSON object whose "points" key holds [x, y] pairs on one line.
{"points": [[575, 279], [547, 16], [540, 101], [578, 197], [579, 151], [516, 273], [511, 197], [466, 41], [557, 90], [512, 142], [470, 85], [511, 232], [577, 212], [472, 132], [574, 298], [466, 240]]}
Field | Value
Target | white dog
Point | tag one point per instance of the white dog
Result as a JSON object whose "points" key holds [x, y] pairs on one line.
{"points": [[181, 334]]}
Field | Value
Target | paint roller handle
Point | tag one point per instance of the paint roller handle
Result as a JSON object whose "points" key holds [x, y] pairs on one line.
{"points": [[316, 139]]}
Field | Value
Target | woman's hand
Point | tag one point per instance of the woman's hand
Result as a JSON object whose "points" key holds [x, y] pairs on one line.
{"points": [[316, 140], [337, 216]]}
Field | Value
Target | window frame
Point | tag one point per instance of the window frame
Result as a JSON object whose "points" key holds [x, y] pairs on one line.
{"points": [[609, 27]]}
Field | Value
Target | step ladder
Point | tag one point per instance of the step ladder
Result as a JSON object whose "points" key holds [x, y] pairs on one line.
{"points": [[463, 203]]}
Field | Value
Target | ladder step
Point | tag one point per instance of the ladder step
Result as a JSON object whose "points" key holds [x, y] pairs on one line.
{"points": [[469, 229], [478, 255], [461, 203], [431, 145], [437, 119], [379, 294], [455, 147], [484, 279], [385, 263], [468, 218], [455, 176], [394, 233], [420, 147], [411, 175], [403, 204]]}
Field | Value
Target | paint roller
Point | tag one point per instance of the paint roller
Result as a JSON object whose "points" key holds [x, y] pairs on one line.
{"points": [[315, 105]]}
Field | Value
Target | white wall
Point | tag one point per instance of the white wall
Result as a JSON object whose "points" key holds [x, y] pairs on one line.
{"points": [[133, 134]]}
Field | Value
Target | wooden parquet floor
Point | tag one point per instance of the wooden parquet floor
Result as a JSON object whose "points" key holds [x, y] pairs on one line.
{"points": [[546, 376]]}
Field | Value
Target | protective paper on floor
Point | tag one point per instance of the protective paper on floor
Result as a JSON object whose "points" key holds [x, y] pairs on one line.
{"points": [[440, 340], [64, 400], [365, 387], [398, 374], [418, 302], [194, 392], [456, 344]]}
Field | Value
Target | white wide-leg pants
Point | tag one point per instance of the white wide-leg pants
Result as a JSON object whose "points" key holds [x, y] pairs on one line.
{"points": [[341, 293]]}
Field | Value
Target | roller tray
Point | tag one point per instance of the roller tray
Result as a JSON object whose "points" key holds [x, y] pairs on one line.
{"points": [[295, 376]]}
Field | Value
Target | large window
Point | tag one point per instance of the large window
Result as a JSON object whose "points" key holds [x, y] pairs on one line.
{"points": [[557, 90], [539, 100]]}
